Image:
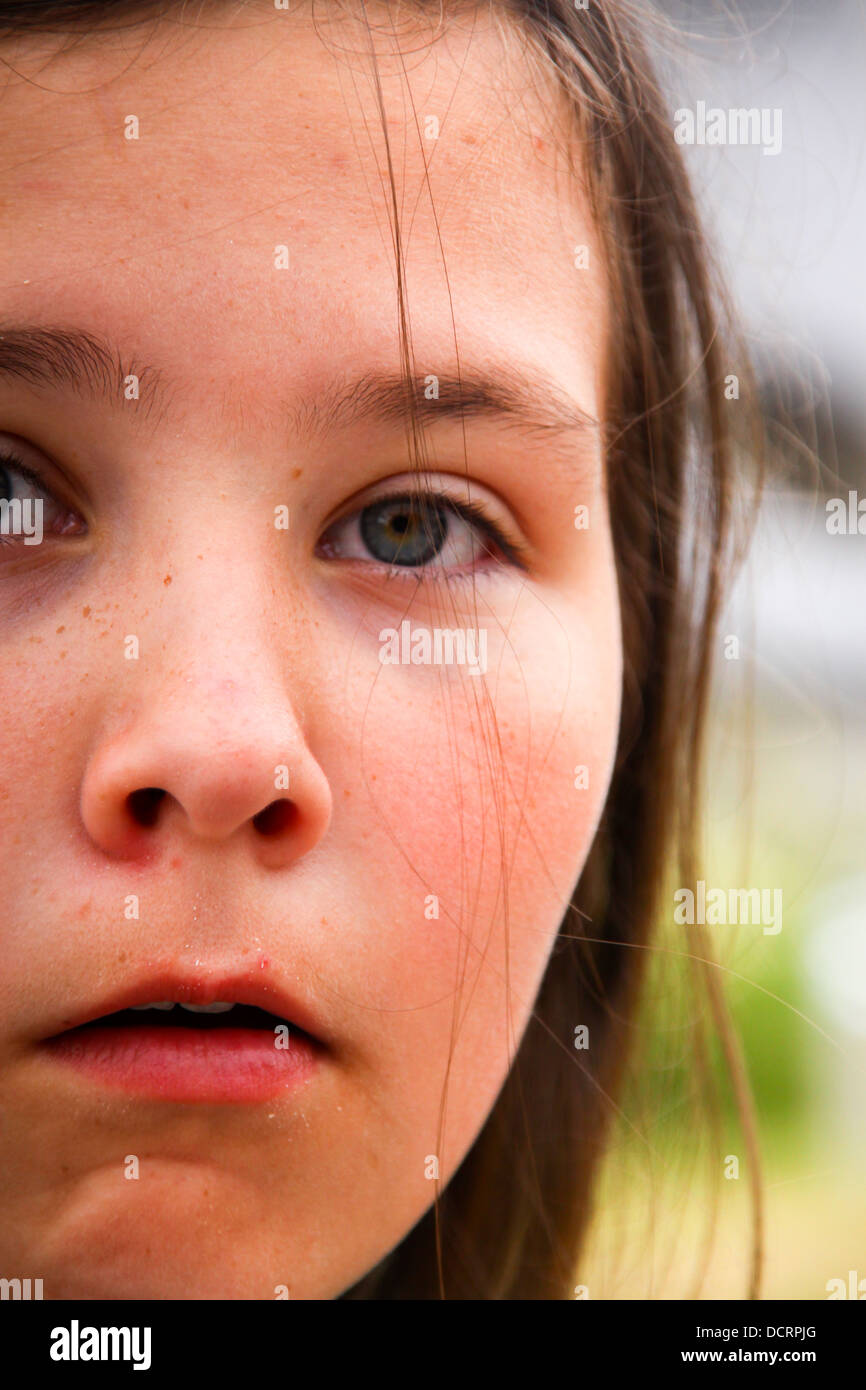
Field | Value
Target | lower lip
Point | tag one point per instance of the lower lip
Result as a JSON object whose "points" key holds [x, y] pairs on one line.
{"points": [[182, 1064]]}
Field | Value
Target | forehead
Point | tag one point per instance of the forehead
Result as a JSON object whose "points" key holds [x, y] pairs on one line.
{"points": [[220, 196]]}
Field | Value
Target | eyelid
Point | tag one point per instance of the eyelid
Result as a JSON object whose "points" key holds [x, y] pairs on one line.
{"points": [[52, 479], [473, 512], [14, 464]]}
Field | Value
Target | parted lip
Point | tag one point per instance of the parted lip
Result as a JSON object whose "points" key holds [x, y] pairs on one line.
{"points": [[201, 987]]}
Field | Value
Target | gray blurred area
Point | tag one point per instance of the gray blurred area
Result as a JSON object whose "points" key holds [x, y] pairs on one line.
{"points": [[790, 229]]}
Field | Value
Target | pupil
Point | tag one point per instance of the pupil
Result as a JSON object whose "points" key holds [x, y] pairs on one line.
{"points": [[404, 530]]}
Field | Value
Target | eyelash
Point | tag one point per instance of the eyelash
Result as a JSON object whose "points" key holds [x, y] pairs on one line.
{"points": [[17, 465], [471, 512]]}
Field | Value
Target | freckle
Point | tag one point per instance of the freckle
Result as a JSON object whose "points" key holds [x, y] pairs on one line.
{"points": [[62, 655], [61, 629], [121, 958], [167, 579], [296, 472], [85, 612], [324, 921], [346, 791]]}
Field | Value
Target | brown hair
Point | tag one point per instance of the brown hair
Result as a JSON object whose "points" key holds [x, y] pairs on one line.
{"points": [[513, 1220]]}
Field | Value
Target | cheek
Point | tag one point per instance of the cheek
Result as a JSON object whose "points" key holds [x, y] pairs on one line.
{"points": [[478, 834], [56, 661], [47, 680], [40, 694]]}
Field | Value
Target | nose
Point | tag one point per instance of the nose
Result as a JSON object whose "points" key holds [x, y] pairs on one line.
{"points": [[209, 759]]}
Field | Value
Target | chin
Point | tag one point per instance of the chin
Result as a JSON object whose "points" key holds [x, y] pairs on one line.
{"points": [[173, 1235]]}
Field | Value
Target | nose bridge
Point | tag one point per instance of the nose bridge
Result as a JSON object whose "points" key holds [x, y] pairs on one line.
{"points": [[214, 620], [222, 687]]}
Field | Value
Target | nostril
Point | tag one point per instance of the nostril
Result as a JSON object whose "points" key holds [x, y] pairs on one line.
{"points": [[144, 805], [275, 818]]}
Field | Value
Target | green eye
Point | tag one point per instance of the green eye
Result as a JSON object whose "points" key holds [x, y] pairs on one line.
{"points": [[404, 530], [423, 532]]}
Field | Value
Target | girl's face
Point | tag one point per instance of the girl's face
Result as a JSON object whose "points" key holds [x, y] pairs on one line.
{"points": [[200, 383]]}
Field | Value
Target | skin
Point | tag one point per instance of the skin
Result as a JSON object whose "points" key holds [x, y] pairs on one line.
{"points": [[257, 649]]}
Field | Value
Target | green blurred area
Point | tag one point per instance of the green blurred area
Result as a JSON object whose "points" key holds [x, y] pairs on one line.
{"points": [[786, 808]]}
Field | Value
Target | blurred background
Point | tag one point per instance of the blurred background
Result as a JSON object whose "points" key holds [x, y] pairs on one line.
{"points": [[786, 804]]}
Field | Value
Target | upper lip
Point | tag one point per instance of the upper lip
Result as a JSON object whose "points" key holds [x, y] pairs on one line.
{"points": [[199, 987]]}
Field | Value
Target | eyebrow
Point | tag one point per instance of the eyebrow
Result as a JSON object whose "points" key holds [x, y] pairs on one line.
{"points": [[517, 396], [72, 358], [502, 391]]}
